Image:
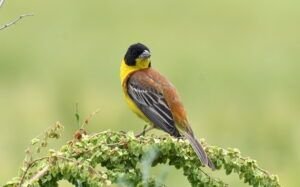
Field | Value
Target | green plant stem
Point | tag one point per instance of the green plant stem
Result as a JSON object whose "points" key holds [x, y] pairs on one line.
{"points": [[119, 153]]}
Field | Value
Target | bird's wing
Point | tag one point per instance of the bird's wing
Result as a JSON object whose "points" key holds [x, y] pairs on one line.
{"points": [[153, 105]]}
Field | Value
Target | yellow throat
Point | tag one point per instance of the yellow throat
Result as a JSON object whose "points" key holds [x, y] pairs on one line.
{"points": [[126, 70]]}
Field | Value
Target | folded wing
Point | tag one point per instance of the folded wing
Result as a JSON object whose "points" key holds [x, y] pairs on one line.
{"points": [[153, 105]]}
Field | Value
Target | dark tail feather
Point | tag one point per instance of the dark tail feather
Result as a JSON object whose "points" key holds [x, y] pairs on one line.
{"points": [[199, 151], [211, 164]]}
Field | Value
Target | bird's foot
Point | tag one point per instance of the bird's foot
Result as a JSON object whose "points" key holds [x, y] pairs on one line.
{"points": [[144, 131]]}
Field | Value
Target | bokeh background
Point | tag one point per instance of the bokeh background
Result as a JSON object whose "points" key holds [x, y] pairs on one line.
{"points": [[235, 63]]}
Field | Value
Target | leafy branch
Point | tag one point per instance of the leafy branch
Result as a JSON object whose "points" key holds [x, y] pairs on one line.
{"points": [[111, 157]]}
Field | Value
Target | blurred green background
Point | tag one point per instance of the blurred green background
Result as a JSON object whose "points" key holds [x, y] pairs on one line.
{"points": [[235, 63]]}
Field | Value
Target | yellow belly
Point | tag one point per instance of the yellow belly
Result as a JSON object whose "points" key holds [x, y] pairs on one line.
{"points": [[134, 108]]}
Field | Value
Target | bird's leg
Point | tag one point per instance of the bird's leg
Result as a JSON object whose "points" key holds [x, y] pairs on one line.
{"points": [[180, 138], [144, 131]]}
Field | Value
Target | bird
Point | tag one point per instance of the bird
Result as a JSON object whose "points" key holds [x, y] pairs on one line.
{"points": [[154, 98]]}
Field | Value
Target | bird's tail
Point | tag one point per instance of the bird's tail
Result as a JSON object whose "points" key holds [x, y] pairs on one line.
{"points": [[199, 150]]}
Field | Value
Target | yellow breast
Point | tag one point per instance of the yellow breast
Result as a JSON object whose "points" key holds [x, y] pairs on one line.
{"points": [[125, 72]]}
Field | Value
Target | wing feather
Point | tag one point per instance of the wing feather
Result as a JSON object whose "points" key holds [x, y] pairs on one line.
{"points": [[153, 105]]}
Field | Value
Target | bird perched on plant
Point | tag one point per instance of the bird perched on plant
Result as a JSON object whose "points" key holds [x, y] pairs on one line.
{"points": [[154, 99]]}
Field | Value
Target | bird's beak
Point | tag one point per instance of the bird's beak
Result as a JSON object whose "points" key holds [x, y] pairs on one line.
{"points": [[146, 54]]}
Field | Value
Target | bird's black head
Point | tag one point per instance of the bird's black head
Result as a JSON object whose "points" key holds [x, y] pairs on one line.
{"points": [[136, 52]]}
